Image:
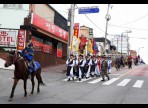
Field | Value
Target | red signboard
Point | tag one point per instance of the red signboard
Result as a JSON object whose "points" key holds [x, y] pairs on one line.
{"points": [[21, 39], [49, 27], [76, 29], [38, 46], [59, 50], [59, 53]]}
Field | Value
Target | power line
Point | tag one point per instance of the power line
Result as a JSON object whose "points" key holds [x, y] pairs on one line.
{"points": [[131, 37], [128, 27], [135, 20]]}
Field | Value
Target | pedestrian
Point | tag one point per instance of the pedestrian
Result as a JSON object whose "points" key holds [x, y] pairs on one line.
{"points": [[70, 67], [80, 67], [117, 64], [104, 69], [130, 61], [109, 61], [88, 65]]}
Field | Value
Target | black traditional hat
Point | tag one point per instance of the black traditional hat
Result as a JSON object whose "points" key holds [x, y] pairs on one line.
{"points": [[81, 55], [88, 54], [71, 55], [103, 56]]}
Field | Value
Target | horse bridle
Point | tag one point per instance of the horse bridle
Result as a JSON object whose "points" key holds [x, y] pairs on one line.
{"points": [[14, 58]]}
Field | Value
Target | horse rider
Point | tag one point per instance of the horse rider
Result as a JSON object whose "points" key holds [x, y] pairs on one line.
{"points": [[28, 54]]}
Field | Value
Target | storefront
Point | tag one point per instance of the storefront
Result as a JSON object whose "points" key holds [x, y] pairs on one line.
{"points": [[50, 42]]}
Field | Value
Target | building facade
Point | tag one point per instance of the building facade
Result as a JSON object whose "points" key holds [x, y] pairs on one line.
{"points": [[44, 25], [12, 16], [121, 43]]}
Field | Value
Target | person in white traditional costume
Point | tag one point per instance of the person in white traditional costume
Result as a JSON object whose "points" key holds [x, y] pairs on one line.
{"points": [[98, 67], [80, 67], [109, 61], [88, 65], [93, 66], [70, 70]]}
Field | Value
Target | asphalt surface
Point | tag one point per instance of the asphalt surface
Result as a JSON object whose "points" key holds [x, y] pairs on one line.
{"points": [[127, 86]]}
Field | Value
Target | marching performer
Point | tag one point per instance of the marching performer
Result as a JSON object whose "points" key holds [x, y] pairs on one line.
{"points": [[109, 61], [88, 65], [70, 70], [98, 67], [93, 66], [80, 64]]}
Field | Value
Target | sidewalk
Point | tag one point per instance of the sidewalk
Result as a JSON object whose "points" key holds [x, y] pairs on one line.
{"points": [[2, 62]]}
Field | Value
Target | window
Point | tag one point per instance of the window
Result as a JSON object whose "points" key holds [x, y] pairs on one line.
{"points": [[15, 6]]}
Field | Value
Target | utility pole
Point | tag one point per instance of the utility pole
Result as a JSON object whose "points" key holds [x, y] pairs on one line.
{"points": [[71, 24], [121, 43], [127, 45], [117, 45], [107, 17]]}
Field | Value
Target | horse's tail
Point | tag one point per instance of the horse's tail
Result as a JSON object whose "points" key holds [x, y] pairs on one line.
{"points": [[40, 79], [41, 82]]}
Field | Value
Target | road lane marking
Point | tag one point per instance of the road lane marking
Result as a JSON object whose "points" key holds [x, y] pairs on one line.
{"points": [[138, 84], [116, 74], [110, 81], [95, 81], [67, 79], [82, 80], [124, 82]]}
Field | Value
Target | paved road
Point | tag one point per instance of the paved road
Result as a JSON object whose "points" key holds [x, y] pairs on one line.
{"points": [[125, 87]]}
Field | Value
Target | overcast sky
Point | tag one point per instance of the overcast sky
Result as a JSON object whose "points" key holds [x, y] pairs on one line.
{"points": [[132, 16]]}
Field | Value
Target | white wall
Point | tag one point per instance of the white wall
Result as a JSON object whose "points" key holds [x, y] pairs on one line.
{"points": [[13, 18]]}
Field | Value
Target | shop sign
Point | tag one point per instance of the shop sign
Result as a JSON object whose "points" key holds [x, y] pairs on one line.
{"points": [[76, 29], [21, 42], [7, 38], [49, 27]]}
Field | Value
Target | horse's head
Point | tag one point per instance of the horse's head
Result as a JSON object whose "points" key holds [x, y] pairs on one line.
{"points": [[11, 58]]}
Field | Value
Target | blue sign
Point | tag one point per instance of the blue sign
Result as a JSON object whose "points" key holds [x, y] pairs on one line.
{"points": [[88, 10]]}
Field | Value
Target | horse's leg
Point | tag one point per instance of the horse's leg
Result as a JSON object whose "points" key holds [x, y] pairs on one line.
{"points": [[25, 85], [38, 78], [38, 88], [13, 88], [33, 84]]}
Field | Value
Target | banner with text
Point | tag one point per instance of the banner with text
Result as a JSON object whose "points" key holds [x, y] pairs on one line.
{"points": [[21, 42]]}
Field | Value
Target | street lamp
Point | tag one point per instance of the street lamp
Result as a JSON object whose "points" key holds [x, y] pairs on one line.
{"points": [[139, 49]]}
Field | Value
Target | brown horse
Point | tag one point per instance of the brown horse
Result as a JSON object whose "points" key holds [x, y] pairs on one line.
{"points": [[21, 72]]}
